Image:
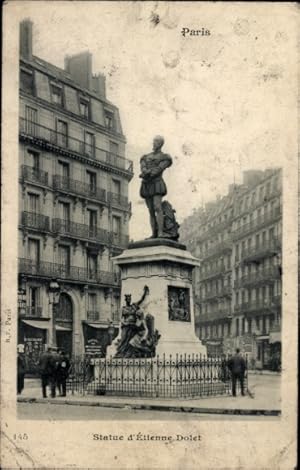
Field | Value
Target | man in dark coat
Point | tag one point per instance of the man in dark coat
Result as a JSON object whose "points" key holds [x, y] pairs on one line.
{"points": [[62, 373], [237, 367], [20, 372], [45, 370]]}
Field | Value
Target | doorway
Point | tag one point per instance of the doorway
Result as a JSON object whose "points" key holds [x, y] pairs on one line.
{"points": [[64, 324]]}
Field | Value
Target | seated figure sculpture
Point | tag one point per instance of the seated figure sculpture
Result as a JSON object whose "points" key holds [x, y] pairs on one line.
{"points": [[137, 336]]}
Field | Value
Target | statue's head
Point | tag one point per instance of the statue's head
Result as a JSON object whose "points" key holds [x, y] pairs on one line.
{"points": [[158, 142], [128, 299]]}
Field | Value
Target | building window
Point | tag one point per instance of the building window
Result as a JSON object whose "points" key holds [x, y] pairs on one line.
{"points": [[92, 264], [92, 303], [116, 221], [109, 120], [84, 108], [92, 222], [34, 251], [34, 203], [26, 81], [64, 258], [92, 180], [31, 119], [34, 300], [56, 94], [32, 159], [62, 133], [89, 144], [64, 170], [237, 327]]}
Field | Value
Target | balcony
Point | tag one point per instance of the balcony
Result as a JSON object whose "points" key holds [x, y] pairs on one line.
{"points": [[218, 249], [62, 143], [257, 223], [119, 240], [214, 272], [60, 271], [261, 277], [83, 231], [34, 175], [92, 315], [36, 221], [258, 306], [26, 311], [214, 315], [225, 291], [68, 185], [116, 199], [263, 250]]}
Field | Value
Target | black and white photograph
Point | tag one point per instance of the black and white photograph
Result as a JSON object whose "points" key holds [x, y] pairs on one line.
{"points": [[149, 235]]}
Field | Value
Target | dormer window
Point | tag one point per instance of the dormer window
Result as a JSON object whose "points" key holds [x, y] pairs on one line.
{"points": [[109, 120], [26, 81], [84, 108], [56, 94]]}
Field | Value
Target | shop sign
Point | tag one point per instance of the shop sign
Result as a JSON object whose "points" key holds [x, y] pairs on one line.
{"points": [[93, 348]]}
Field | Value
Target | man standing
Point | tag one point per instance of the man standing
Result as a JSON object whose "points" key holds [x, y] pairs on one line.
{"points": [[62, 373], [45, 369], [153, 187], [237, 367], [20, 369]]}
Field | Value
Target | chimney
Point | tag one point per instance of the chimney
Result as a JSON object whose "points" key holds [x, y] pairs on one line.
{"points": [[79, 66], [99, 85], [26, 38]]}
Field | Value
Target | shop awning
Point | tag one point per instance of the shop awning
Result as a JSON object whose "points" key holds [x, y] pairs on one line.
{"points": [[262, 337], [97, 325], [62, 328], [275, 337], [43, 325]]}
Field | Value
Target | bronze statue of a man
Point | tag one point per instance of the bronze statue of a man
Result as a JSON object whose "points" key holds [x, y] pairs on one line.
{"points": [[153, 187]]}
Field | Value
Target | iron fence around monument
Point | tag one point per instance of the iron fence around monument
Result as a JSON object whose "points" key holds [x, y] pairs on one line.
{"points": [[179, 376]]}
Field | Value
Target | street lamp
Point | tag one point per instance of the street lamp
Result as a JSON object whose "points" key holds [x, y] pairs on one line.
{"points": [[111, 330], [54, 292]]}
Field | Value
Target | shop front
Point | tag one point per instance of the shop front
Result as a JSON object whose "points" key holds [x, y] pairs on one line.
{"points": [[263, 352], [34, 335], [214, 348], [98, 335]]}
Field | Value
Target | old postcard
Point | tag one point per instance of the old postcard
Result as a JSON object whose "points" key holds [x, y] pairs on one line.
{"points": [[149, 256]]}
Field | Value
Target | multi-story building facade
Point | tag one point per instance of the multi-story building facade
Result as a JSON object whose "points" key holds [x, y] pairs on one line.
{"points": [[238, 285], [73, 202]]}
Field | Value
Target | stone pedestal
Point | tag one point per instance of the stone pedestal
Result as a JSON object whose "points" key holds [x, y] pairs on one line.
{"points": [[166, 268]]}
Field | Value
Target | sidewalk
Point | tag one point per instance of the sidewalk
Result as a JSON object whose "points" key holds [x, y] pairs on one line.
{"points": [[266, 401]]}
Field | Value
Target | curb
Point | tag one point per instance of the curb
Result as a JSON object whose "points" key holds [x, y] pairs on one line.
{"points": [[154, 407]]}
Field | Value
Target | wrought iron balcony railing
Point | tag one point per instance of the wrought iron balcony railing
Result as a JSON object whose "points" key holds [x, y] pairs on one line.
{"points": [[218, 314], [70, 185], [118, 199], [214, 272], [257, 223], [92, 315], [37, 221], [26, 311], [60, 271], [216, 293], [35, 175], [217, 249], [76, 230], [262, 250], [46, 135], [265, 276], [258, 306]]}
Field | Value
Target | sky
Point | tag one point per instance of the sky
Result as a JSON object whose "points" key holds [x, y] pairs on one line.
{"points": [[224, 102]]}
